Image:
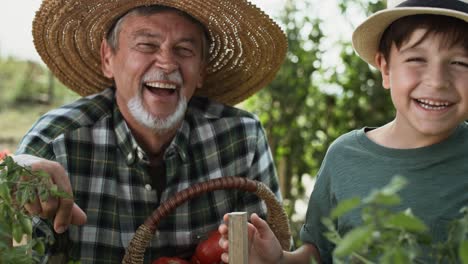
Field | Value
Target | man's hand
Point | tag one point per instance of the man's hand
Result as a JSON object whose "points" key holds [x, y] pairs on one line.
{"points": [[62, 210], [264, 247]]}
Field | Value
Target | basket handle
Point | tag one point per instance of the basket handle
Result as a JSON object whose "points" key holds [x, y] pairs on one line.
{"points": [[276, 216]]}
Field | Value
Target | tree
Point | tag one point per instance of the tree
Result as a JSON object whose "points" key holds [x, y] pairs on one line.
{"points": [[302, 117], [289, 106], [363, 100]]}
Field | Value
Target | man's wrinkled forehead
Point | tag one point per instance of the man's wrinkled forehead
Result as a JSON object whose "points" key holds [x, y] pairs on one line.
{"points": [[154, 9]]}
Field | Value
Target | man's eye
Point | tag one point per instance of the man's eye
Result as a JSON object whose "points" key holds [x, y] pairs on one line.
{"points": [[461, 63], [146, 46], [185, 52]]}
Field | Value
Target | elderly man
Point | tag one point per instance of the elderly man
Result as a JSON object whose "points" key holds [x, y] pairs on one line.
{"points": [[158, 80]]}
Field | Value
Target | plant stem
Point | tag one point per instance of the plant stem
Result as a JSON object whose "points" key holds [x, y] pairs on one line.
{"points": [[361, 258]]}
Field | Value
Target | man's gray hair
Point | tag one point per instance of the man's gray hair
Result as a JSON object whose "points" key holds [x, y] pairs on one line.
{"points": [[112, 37]]}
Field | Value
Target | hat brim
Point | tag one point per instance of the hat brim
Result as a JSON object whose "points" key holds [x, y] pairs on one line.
{"points": [[247, 48], [366, 37]]}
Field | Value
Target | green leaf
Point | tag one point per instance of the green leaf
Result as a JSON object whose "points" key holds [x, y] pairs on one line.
{"points": [[406, 222], [383, 199], [42, 174], [388, 194], [353, 241], [332, 235], [345, 206], [22, 196], [463, 252], [396, 255], [39, 247], [56, 192], [5, 193], [26, 224], [396, 184], [43, 193], [17, 232]]}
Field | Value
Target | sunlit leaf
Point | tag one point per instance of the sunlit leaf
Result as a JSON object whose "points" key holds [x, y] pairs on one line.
{"points": [[406, 222], [463, 252], [345, 206], [353, 241], [396, 255]]}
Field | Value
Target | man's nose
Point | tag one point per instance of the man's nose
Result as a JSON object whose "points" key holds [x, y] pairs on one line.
{"points": [[165, 61]]}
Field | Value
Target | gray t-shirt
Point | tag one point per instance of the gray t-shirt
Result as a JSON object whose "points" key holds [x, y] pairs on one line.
{"points": [[354, 166]]}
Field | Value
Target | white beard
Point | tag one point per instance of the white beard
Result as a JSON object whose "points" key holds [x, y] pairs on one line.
{"points": [[155, 123]]}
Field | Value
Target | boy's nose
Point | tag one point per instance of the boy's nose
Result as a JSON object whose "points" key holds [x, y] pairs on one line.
{"points": [[437, 77]]}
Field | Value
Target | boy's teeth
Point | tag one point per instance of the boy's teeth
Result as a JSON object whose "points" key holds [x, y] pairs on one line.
{"points": [[161, 85], [432, 105]]}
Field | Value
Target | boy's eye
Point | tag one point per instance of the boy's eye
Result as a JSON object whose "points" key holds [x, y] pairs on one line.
{"points": [[415, 59]]}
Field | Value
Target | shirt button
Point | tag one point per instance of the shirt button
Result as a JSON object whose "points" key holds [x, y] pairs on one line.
{"points": [[148, 187]]}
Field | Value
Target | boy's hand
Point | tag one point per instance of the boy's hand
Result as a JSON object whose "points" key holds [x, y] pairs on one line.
{"points": [[63, 210], [264, 247]]}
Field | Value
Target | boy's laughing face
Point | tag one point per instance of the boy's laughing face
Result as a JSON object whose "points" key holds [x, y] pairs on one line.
{"points": [[428, 82]]}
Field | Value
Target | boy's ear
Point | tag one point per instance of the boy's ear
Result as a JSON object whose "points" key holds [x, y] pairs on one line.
{"points": [[383, 67]]}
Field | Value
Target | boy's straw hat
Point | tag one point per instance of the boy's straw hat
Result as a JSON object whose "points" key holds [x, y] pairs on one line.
{"points": [[366, 37], [247, 48]]}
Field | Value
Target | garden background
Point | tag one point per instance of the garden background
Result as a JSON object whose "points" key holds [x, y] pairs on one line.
{"points": [[322, 91]]}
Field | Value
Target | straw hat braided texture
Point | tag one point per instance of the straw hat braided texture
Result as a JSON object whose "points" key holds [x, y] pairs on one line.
{"points": [[247, 48], [366, 37]]}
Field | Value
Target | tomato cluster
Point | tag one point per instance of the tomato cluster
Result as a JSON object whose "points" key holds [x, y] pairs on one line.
{"points": [[207, 252]]}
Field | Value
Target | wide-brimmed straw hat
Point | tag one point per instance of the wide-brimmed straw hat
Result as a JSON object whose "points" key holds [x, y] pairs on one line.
{"points": [[247, 46], [366, 37]]}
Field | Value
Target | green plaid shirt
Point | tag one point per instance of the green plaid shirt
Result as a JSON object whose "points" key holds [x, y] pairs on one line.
{"points": [[109, 175]]}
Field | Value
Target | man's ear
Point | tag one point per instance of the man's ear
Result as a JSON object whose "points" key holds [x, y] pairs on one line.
{"points": [[202, 76], [383, 67], [106, 59]]}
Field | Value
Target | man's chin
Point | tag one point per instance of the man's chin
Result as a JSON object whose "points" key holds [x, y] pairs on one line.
{"points": [[158, 122]]}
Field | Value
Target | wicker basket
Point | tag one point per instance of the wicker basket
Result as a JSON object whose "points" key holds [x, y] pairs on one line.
{"points": [[276, 217]]}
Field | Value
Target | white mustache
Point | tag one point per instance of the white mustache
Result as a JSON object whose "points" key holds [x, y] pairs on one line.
{"points": [[159, 75]]}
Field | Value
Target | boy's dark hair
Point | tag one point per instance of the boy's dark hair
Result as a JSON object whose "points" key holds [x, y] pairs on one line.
{"points": [[453, 31]]}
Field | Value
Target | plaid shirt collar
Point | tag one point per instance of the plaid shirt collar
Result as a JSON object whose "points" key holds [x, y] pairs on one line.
{"points": [[129, 146]]}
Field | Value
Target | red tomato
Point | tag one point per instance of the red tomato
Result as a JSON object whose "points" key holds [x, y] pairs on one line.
{"points": [[208, 251], [170, 260], [4, 153]]}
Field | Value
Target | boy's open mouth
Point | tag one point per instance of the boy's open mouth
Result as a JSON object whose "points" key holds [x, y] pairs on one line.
{"points": [[433, 105]]}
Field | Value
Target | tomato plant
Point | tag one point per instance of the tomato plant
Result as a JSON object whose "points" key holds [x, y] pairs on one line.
{"points": [[4, 153], [18, 186], [170, 260], [396, 237], [208, 251]]}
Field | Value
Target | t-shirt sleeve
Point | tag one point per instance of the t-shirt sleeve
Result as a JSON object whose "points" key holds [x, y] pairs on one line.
{"points": [[320, 205]]}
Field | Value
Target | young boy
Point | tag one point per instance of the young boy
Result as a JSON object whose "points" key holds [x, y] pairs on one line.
{"points": [[421, 50]]}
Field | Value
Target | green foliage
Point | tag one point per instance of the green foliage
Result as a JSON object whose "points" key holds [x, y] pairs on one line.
{"points": [[27, 90], [289, 107], [19, 186], [26, 82], [390, 237], [301, 114]]}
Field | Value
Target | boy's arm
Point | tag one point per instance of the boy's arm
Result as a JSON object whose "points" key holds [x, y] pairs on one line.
{"points": [[264, 247], [304, 254]]}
